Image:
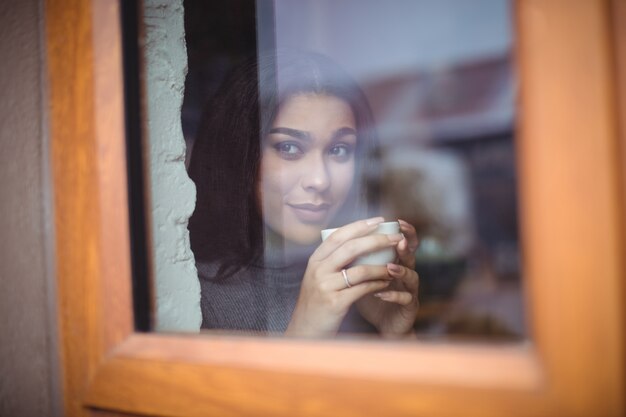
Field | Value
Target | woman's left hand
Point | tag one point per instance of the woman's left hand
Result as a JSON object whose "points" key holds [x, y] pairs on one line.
{"points": [[393, 311]]}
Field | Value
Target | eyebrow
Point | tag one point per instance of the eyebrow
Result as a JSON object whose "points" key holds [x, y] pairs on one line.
{"points": [[344, 131], [299, 134]]}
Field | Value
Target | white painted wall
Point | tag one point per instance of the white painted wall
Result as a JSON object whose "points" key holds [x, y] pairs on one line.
{"points": [[177, 288]]}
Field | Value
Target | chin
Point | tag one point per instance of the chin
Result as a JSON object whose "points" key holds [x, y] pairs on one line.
{"points": [[304, 235]]}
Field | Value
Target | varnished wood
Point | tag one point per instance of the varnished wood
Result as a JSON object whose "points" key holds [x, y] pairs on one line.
{"points": [[115, 298], [239, 376], [571, 204], [571, 229], [72, 115], [89, 169], [462, 365], [619, 45], [106, 413], [231, 390]]}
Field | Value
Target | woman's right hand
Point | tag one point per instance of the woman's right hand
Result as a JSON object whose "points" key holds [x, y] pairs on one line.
{"points": [[324, 296]]}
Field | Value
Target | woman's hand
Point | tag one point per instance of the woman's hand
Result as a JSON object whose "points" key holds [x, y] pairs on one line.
{"points": [[325, 295], [393, 310]]}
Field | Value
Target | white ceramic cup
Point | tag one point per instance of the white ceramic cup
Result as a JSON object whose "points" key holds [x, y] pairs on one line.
{"points": [[381, 257]]}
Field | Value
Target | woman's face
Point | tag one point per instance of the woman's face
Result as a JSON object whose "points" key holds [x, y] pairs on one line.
{"points": [[307, 165]]}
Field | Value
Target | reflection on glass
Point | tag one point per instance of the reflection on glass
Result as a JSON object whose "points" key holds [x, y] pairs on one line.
{"points": [[344, 115]]}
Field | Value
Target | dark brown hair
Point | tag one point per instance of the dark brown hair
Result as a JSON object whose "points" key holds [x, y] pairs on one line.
{"points": [[227, 225]]}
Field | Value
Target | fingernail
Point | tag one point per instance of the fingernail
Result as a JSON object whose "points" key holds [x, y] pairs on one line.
{"points": [[374, 220], [395, 237], [394, 268]]}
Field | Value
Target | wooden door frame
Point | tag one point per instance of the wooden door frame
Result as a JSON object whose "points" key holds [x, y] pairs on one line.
{"points": [[573, 244]]}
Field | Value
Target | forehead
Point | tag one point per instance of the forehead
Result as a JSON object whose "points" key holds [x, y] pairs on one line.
{"points": [[314, 111]]}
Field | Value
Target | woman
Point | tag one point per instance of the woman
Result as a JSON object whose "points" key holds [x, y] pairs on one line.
{"points": [[273, 166]]}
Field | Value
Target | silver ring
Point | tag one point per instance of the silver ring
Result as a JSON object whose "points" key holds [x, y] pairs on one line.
{"points": [[345, 278]]}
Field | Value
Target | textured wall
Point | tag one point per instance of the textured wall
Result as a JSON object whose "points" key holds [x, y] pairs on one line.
{"points": [[173, 193], [28, 384]]}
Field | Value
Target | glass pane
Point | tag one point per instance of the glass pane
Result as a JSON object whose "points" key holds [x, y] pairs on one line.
{"points": [[391, 123]]}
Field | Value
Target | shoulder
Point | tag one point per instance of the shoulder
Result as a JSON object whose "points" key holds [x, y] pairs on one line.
{"points": [[220, 273], [208, 270]]}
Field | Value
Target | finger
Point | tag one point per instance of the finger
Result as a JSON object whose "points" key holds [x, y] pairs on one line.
{"points": [[343, 234], [398, 297], [357, 275], [354, 248], [356, 292], [409, 277], [405, 256], [408, 246], [410, 234]]}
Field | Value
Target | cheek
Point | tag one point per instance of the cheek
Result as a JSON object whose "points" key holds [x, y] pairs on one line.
{"points": [[342, 179], [277, 179]]}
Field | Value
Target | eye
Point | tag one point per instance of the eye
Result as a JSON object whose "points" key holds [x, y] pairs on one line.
{"points": [[341, 152], [288, 150]]}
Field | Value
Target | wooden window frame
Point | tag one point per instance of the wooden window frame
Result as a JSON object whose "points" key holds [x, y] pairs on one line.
{"points": [[572, 222]]}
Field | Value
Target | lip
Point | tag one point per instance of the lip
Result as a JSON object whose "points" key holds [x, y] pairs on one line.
{"points": [[310, 213]]}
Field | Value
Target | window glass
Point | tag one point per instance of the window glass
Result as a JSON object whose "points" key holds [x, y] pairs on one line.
{"points": [[354, 169]]}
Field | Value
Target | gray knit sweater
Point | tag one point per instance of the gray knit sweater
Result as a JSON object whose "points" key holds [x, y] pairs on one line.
{"points": [[258, 299]]}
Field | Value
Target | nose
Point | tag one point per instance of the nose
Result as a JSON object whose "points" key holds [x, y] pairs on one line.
{"points": [[316, 176]]}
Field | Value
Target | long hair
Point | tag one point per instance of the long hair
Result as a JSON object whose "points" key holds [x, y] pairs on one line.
{"points": [[227, 224]]}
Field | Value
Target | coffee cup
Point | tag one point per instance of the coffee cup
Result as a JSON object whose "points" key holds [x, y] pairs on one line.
{"points": [[381, 257]]}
